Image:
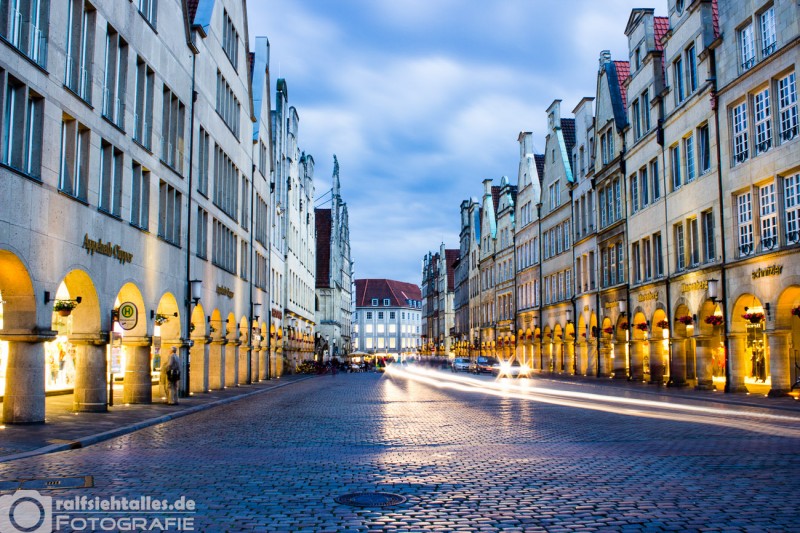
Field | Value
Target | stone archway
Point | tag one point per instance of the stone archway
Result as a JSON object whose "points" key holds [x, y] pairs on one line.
{"points": [[607, 331], [682, 331], [199, 351], [749, 358], [217, 327], [22, 359], [559, 360], [659, 347], [246, 350], [710, 348], [141, 353], [639, 330], [620, 351], [784, 343], [569, 349], [548, 357]]}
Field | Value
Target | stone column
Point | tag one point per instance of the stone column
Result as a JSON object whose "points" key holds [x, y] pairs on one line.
{"points": [[779, 364], [91, 373], [657, 363], [620, 369], [605, 359], [570, 355], [216, 368], [637, 359], [137, 384], [231, 363], [705, 362], [23, 401], [677, 370], [199, 356], [738, 348]]}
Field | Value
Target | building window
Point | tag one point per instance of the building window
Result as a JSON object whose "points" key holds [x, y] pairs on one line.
{"points": [[644, 187], [115, 82], [768, 36], [202, 233], [110, 179], [612, 264], [709, 248], [618, 199], [22, 128], [637, 119], [374, 301], [555, 195], [169, 213], [768, 215], [392, 315], [654, 176], [634, 185], [143, 115], [203, 148], [787, 105], [602, 208], [658, 255], [223, 247], [704, 145], [386, 302], [744, 219], [245, 221], [228, 105], [226, 183], [369, 315], [74, 174], [792, 207], [763, 122], [140, 197], [24, 24], [230, 40], [244, 261], [149, 10], [746, 47], [646, 110], [740, 133], [380, 316], [172, 134], [680, 247], [620, 264], [691, 68], [675, 160], [79, 48], [648, 259], [688, 151], [637, 263], [680, 88], [694, 243]]}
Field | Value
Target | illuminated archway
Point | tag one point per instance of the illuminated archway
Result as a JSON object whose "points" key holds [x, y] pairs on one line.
{"points": [[750, 359], [659, 346]]}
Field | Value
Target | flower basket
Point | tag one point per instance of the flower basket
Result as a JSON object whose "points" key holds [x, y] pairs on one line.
{"points": [[624, 326], [538, 335], [608, 331], [583, 335], [641, 326], [686, 320], [714, 320], [663, 324], [64, 307], [754, 318], [796, 311]]}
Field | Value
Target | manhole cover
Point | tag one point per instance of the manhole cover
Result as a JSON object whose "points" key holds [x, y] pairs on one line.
{"points": [[370, 499]]}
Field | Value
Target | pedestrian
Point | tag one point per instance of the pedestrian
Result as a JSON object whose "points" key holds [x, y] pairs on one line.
{"points": [[170, 376]]}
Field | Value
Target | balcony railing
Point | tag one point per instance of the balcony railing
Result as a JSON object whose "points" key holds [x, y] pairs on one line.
{"points": [[27, 38], [78, 79], [172, 155], [113, 108]]}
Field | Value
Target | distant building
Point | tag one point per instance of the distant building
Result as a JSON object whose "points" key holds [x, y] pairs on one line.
{"points": [[388, 317], [334, 310], [438, 292]]}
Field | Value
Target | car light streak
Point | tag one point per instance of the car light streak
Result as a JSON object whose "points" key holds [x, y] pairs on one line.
{"points": [[598, 402]]}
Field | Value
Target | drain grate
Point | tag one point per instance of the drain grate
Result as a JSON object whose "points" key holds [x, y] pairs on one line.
{"points": [[370, 499], [48, 483]]}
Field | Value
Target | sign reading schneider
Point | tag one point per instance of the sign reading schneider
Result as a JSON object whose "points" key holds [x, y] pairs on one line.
{"points": [[107, 248]]}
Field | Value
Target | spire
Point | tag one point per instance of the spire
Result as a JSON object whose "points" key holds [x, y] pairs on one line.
{"points": [[335, 176]]}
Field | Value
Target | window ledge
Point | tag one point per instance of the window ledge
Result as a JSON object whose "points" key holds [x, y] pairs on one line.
{"points": [[35, 179], [109, 214]]}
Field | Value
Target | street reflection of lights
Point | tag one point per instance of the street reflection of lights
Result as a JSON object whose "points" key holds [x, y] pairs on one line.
{"points": [[600, 402]]}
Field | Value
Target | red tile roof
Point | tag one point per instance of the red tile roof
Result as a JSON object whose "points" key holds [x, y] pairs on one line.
{"points": [[323, 221], [451, 256], [495, 197], [715, 17], [660, 27], [398, 292], [623, 72], [539, 159], [191, 6]]}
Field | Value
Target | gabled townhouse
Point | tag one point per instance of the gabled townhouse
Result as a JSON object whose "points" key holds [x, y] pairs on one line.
{"points": [[505, 281], [461, 291], [486, 267], [584, 216]]}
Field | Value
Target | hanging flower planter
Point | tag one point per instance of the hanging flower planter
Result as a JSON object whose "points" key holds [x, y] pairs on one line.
{"points": [[64, 307], [641, 326], [663, 324], [796, 311], [754, 318], [160, 319], [624, 326], [714, 320], [608, 330], [685, 320]]}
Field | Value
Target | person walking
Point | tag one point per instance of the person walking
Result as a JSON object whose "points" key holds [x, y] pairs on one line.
{"points": [[170, 376]]}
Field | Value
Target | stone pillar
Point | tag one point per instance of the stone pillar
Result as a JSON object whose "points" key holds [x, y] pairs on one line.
{"points": [[216, 368], [779, 365], [231, 363], [199, 356], [91, 373], [738, 355], [591, 357], [657, 362], [605, 359], [705, 362], [23, 401], [569, 349], [637, 359], [677, 370], [137, 384], [619, 364]]}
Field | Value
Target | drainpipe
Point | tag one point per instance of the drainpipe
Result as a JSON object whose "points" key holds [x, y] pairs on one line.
{"points": [[185, 381]]}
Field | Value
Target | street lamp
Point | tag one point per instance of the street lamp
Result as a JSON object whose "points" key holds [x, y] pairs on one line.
{"points": [[713, 290]]}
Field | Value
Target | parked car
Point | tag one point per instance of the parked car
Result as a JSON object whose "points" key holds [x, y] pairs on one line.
{"points": [[460, 364], [483, 365], [512, 369]]}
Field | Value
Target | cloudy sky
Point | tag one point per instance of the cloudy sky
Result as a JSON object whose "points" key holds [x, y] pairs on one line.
{"points": [[421, 100]]}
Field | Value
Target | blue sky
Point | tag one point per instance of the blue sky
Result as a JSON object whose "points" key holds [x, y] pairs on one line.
{"points": [[421, 100]]}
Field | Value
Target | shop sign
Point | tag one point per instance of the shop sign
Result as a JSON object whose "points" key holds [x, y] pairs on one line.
{"points": [[647, 296], [774, 270], [127, 316], [224, 291], [694, 286], [276, 313], [612, 305], [110, 249]]}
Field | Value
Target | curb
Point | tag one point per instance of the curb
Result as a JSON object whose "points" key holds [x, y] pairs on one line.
{"points": [[112, 433]]}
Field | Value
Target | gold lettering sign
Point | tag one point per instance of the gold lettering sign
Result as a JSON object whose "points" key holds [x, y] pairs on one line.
{"points": [[647, 296], [612, 305], [224, 291], [774, 270], [106, 248], [276, 314], [585, 307], [694, 286]]}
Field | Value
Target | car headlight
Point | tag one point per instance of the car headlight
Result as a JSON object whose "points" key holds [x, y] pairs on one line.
{"points": [[505, 367]]}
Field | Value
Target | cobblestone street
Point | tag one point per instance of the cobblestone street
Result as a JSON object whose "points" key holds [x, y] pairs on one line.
{"points": [[467, 456]]}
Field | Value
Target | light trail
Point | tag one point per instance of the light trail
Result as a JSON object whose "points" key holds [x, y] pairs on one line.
{"points": [[758, 422]]}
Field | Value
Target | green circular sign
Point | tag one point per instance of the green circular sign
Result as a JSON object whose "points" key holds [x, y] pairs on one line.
{"points": [[127, 316]]}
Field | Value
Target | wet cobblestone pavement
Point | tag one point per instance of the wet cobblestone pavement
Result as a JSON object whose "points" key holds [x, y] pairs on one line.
{"points": [[467, 458]]}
